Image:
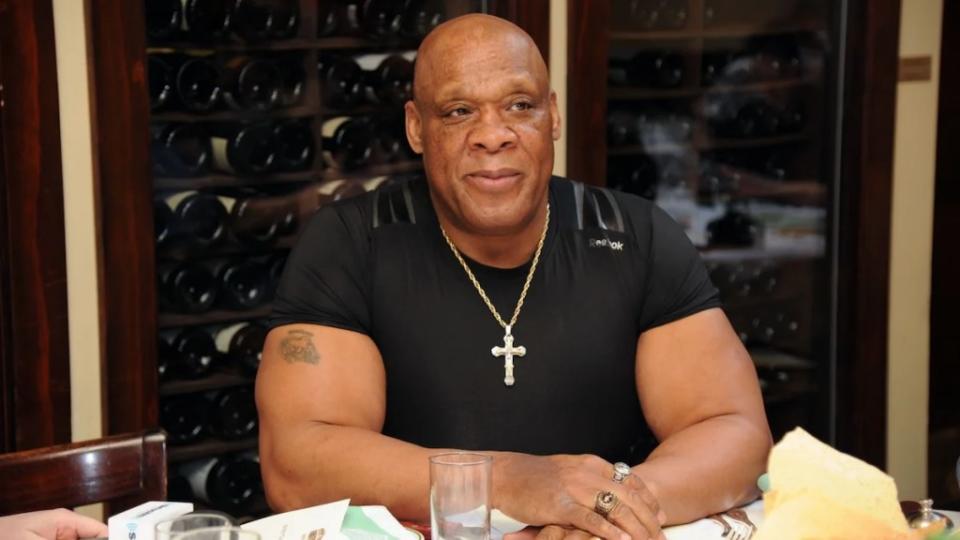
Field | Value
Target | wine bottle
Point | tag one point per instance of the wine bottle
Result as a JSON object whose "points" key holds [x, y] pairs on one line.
{"points": [[254, 221], [391, 140], [180, 149], [188, 288], [656, 69], [292, 78], [243, 149], [193, 353], [637, 176], [341, 81], [251, 20], [164, 223], [241, 344], [200, 216], [419, 17], [229, 483], [160, 81], [380, 19], [178, 488], [275, 264], [329, 17], [163, 19], [734, 228], [243, 283], [336, 190], [347, 142], [206, 20], [286, 19], [295, 145], [233, 414], [183, 417], [164, 360], [388, 78], [198, 85], [250, 84], [621, 128]]}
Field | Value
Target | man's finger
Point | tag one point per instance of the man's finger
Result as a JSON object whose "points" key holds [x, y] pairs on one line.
{"points": [[587, 520], [635, 482], [552, 532]]}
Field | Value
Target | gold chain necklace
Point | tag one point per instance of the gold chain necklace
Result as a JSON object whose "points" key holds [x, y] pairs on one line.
{"points": [[508, 351]]}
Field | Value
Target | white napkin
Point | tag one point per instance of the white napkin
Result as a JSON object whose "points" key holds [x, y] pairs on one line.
{"points": [[704, 529]]}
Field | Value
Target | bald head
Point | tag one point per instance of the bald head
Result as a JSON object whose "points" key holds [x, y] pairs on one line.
{"points": [[469, 42]]}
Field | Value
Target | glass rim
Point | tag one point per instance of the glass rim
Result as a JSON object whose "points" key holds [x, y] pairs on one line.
{"points": [[216, 529], [196, 515], [474, 458]]}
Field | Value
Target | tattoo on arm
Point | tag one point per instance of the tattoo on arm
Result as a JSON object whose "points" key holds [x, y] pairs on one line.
{"points": [[297, 346]]}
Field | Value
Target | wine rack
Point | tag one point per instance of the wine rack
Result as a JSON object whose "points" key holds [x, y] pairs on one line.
{"points": [[717, 110], [261, 112]]}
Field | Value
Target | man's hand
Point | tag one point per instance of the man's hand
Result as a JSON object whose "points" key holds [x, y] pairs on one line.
{"points": [[561, 491], [60, 524]]}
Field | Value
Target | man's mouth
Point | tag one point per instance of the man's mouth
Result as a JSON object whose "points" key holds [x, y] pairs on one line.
{"points": [[494, 179]]}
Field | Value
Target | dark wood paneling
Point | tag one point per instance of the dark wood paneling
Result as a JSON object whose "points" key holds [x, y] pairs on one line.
{"points": [[586, 90], [6, 381], [36, 349], [865, 204], [944, 442], [531, 15], [128, 305]]}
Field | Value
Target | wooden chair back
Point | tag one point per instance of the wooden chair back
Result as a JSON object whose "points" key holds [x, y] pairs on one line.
{"points": [[123, 470]]}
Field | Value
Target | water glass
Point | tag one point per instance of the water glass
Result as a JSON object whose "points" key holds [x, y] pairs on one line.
{"points": [[460, 487], [168, 530], [217, 533]]}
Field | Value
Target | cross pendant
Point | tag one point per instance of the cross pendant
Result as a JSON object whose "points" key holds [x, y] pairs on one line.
{"points": [[508, 351]]}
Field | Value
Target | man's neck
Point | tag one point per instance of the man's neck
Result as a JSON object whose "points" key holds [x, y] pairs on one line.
{"points": [[498, 251]]}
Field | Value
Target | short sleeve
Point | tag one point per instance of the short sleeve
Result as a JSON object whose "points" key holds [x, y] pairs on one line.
{"points": [[326, 277], [678, 283]]}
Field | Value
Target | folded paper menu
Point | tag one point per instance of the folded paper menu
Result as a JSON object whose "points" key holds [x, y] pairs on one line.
{"points": [[819, 492], [321, 522]]}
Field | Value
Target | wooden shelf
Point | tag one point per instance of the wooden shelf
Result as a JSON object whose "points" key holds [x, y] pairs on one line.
{"points": [[227, 249], [218, 180], [638, 149], [400, 167], [213, 381], [233, 46], [755, 253], [761, 86], [208, 448], [728, 144], [726, 31], [297, 44], [170, 320], [634, 92], [295, 111]]}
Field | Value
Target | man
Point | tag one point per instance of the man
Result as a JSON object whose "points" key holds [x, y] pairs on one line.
{"points": [[390, 305]]}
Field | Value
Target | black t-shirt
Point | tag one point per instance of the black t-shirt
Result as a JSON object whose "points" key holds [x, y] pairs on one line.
{"points": [[613, 265]]}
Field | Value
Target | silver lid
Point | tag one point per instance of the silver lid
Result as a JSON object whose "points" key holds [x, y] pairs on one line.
{"points": [[927, 517]]}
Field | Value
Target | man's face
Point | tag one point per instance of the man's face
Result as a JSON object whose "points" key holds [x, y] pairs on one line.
{"points": [[485, 121]]}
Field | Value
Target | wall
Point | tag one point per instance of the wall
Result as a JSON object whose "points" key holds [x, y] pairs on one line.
{"points": [[910, 253], [80, 223]]}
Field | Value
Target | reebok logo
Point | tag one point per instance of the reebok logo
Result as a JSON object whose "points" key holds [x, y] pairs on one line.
{"points": [[603, 242]]}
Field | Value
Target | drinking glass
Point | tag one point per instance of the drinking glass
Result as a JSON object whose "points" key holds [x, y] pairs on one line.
{"points": [[170, 529], [460, 486], [217, 533]]}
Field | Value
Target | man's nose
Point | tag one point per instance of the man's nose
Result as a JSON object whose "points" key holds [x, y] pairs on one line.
{"points": [[492, 134]]}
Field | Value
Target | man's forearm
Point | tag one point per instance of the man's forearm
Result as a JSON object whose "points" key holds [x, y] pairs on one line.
{"points": [[323, 463], [706, 468]]}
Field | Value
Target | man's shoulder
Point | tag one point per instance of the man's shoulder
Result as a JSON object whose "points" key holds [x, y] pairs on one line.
{"points": [[396, 201], [592, 206]]}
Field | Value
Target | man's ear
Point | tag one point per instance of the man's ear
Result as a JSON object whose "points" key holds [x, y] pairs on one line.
{"points": [[414, 126], [555, 123]]}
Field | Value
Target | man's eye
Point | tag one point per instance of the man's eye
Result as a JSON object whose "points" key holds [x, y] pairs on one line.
{"points": [[458, 112], [522, 106]]}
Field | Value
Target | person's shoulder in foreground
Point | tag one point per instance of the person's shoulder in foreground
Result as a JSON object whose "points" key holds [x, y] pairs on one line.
{"points": [[59, 524]]}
